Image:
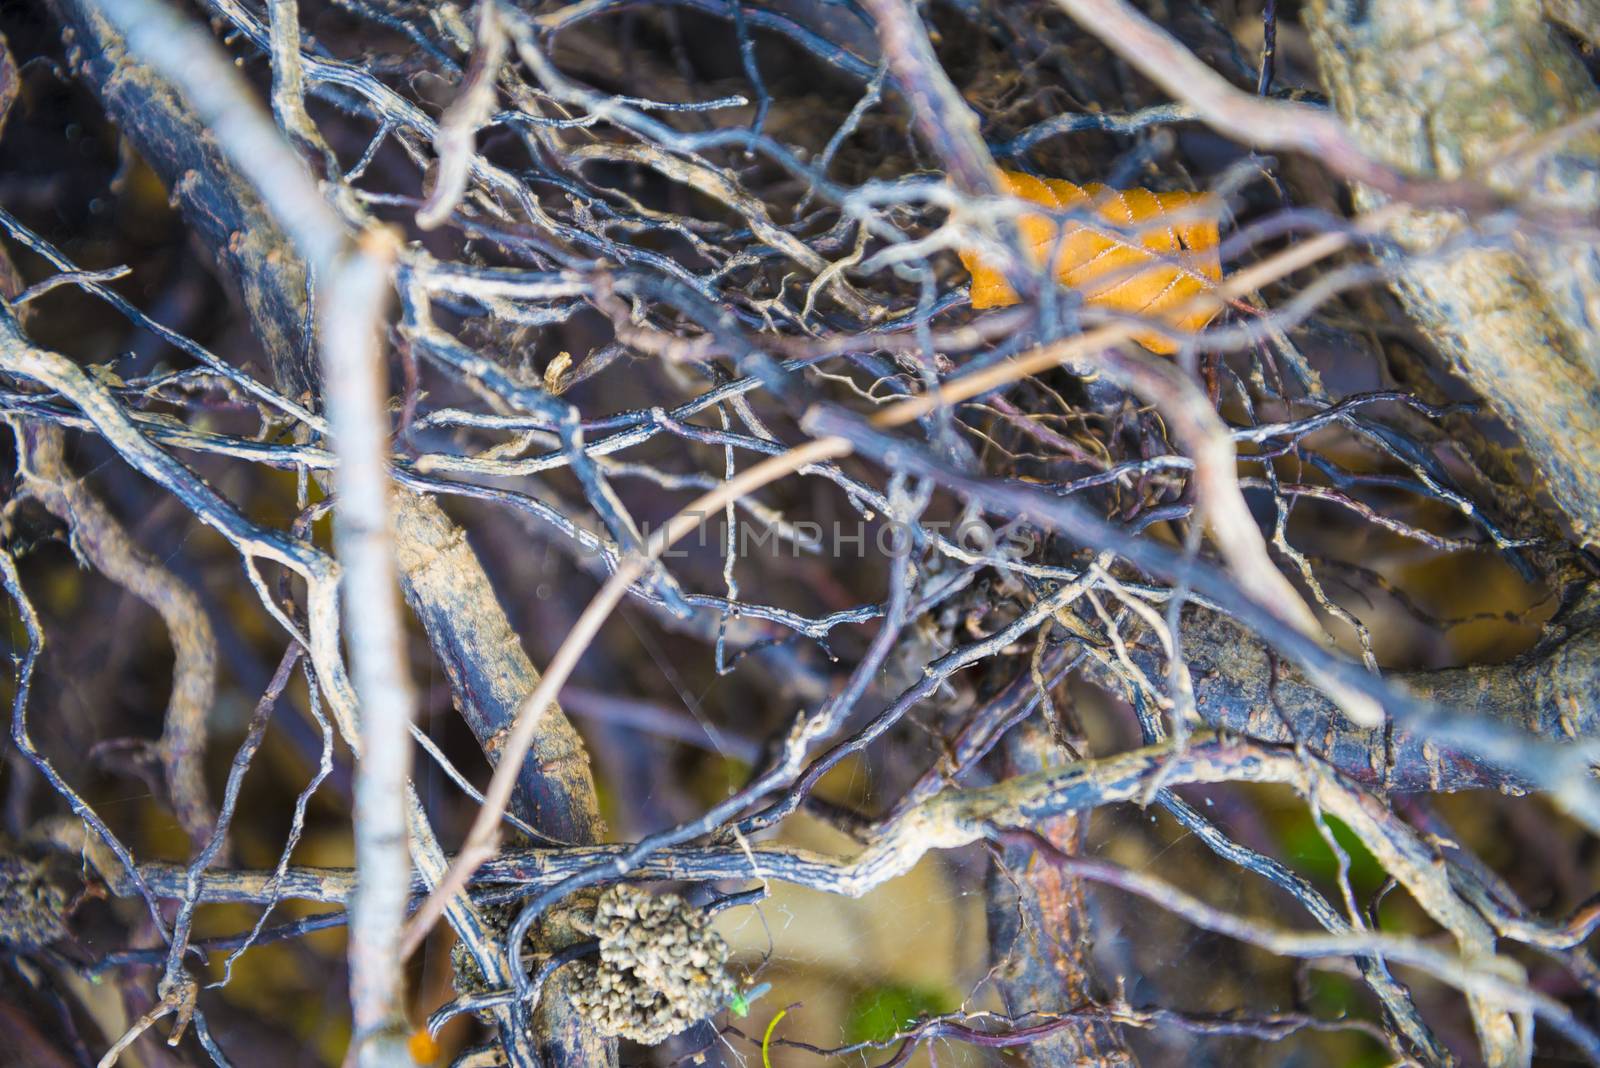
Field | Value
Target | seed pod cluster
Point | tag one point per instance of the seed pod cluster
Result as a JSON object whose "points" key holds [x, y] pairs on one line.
{"points": [[32, 907], [661, 968]]}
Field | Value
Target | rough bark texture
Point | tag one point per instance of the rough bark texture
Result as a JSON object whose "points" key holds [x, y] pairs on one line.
{"points": [[1549, 692], [488, 670], [1474, 88], [253, 257], [442, 577], [1581, 18]]}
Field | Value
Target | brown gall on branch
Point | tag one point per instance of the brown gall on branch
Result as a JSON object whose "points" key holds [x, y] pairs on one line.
{"points": [[577, 222], [959, 817]]}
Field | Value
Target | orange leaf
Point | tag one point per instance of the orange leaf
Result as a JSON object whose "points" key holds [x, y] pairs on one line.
{"points": [[422, 1047], [1149, 269]]}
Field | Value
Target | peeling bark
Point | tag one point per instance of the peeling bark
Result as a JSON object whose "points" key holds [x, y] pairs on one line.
{"points": [[488, 671]]}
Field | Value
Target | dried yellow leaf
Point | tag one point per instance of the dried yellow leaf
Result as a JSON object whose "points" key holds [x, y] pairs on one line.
{"points": [[1151, 267]]}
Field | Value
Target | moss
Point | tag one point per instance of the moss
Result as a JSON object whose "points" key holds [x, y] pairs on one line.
{"points": [[881, 1012]]}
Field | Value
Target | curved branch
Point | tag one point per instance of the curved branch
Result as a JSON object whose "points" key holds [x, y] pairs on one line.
{"points": [[102, 541]]}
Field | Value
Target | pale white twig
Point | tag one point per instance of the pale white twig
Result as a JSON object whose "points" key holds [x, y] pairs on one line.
{"points": [[354, 278]]}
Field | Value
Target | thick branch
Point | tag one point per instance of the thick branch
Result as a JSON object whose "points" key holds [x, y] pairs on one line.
{"points": [[1453, 89], [469, 632], [1548, 692]]}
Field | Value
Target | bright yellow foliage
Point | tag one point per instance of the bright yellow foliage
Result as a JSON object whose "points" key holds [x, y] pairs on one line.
{"points": [[1150, 268]]}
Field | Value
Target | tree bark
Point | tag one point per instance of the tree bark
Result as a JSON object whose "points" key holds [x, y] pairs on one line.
{"points": [[1488, 89], [1548, 692]]}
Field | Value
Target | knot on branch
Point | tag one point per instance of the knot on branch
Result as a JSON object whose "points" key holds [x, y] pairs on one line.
{"points": [[661, 969]]}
